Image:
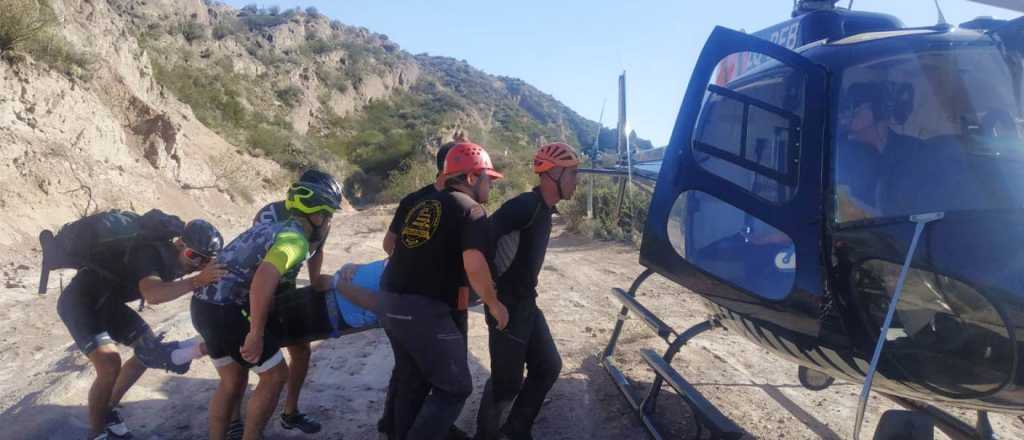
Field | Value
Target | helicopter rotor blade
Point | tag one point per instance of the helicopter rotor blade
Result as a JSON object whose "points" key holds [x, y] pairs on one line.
{"points": [[623, 148], [921, 220], [1013, 5]]}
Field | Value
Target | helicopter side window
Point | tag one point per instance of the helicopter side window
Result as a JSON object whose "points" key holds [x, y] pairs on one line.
{"points": [[732, 245], [748, 127]]}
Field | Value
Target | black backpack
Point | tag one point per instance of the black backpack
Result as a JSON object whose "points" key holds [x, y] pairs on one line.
{"points": [[78, 244]]}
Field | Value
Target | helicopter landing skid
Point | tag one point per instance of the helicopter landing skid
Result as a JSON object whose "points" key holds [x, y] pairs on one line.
{"points": [[706, 414], [951, 425]]}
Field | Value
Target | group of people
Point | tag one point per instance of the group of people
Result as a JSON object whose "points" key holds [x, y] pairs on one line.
{"points": [[442, 247]]}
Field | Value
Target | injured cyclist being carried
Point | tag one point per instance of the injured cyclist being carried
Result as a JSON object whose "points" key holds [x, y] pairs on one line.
{"points": [[303, 314]]}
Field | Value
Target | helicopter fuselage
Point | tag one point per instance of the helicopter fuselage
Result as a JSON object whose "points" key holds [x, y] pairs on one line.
{"points": [[786, 192]]}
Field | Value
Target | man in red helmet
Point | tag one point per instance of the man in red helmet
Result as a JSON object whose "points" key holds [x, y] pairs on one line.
{"points": [[385, 426], [441, 244], [521, 228]]}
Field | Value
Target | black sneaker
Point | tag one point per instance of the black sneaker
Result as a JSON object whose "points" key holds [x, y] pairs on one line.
{"points": [[235, 430], [301, 422], [116, 429]]}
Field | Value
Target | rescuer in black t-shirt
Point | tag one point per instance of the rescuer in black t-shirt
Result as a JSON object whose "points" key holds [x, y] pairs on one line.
{"points": [[460, 315], [521, 230], [441, 244]]}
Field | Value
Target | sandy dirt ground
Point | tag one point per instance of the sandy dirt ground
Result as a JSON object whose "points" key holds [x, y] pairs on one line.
{"points": [[44, 380]]}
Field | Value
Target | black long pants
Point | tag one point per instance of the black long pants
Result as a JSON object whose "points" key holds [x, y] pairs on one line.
{"points": [[386, 424], [526, 342], [429, 351]]}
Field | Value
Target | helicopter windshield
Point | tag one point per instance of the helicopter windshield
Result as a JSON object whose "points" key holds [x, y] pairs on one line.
{"points": [[937, 129]]}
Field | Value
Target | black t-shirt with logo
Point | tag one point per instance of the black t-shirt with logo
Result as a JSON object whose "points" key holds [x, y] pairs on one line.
{"points": [[428, 252], [521, 229], [141, 261], [405, 205]]}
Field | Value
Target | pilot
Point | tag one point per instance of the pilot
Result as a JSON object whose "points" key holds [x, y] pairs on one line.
{"points": [[869, 150]]}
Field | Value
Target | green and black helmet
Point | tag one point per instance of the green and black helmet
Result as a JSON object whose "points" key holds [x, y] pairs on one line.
{"points": [[315, 192]]}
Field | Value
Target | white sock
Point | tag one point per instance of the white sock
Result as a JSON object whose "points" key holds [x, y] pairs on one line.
{"points": [[189, 350]]}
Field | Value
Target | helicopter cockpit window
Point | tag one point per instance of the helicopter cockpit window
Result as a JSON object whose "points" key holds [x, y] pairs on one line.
{"points": [[748, 128], [934, 130], [944, 333]]}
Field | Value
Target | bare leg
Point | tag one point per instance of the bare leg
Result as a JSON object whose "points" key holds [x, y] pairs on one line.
{"points": [[107, 362], [236, 414], [263, 401], [298, 366], [131, 371], [227, 398]]}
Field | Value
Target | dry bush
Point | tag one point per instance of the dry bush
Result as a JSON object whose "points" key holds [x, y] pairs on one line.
{"points": [[22, 20]]}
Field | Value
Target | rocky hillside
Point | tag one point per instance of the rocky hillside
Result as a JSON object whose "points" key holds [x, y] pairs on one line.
{"points": [[204, 109], [301, 88], [84, 126]]}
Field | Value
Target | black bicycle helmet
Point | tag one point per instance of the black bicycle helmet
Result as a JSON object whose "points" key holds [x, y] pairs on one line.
{"points": [[202, 237], [321, 178], [316, 191]]}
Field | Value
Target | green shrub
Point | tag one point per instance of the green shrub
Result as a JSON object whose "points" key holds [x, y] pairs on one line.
{"points": [[52, 49], [23, 20], [413, 174], [258, 22], [629, 224], [332, 79], [191, 31], [313, 12], [318, 46], [227, 28], [273, 140], [290, 95]]}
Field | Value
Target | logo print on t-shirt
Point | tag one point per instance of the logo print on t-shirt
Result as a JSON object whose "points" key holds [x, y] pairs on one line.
{"points": [[421, 223]]}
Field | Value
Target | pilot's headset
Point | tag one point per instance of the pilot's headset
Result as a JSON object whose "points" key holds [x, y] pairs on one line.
{"points": [[890, 100]]}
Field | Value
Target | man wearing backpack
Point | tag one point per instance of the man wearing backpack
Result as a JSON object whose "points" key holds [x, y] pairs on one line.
{"points": [[232, 314], [522, 228], [93, 309], [299, 354]]}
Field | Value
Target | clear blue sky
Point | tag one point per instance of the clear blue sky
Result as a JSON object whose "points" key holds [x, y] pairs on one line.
{"points": [[575, 49]]}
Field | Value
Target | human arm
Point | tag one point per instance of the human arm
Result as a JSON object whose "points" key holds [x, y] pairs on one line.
{"points": [[475, 237], [261, 294], [479, 274], [290, 248], [389, 242], [360, 296], [320, 282], [157, 291]]}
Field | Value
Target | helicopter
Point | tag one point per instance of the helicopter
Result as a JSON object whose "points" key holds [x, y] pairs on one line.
{"points": [[838, 189]]}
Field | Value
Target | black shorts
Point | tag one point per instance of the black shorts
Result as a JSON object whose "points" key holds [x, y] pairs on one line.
{"points": [[303, 315], [94, 316], [224, 328]]}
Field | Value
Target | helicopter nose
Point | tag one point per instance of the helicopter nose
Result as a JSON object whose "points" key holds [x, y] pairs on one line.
{"points": [[955, 330]]}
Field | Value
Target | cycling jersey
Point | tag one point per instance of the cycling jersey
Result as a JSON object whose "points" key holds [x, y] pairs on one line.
{"points": [[276, 212], [282, 244]]}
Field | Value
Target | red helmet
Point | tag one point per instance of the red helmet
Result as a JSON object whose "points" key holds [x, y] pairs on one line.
{"points": [[554, 155], [467, 158]]}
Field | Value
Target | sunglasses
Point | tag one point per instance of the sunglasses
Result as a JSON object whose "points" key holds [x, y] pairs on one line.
{"points": [[196, 256]]}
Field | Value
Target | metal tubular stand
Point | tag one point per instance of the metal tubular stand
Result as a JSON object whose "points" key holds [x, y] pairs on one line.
{"points": [[704, 411]]}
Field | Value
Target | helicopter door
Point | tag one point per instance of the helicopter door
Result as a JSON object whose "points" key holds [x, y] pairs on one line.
{"points": [[737, 210]]}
